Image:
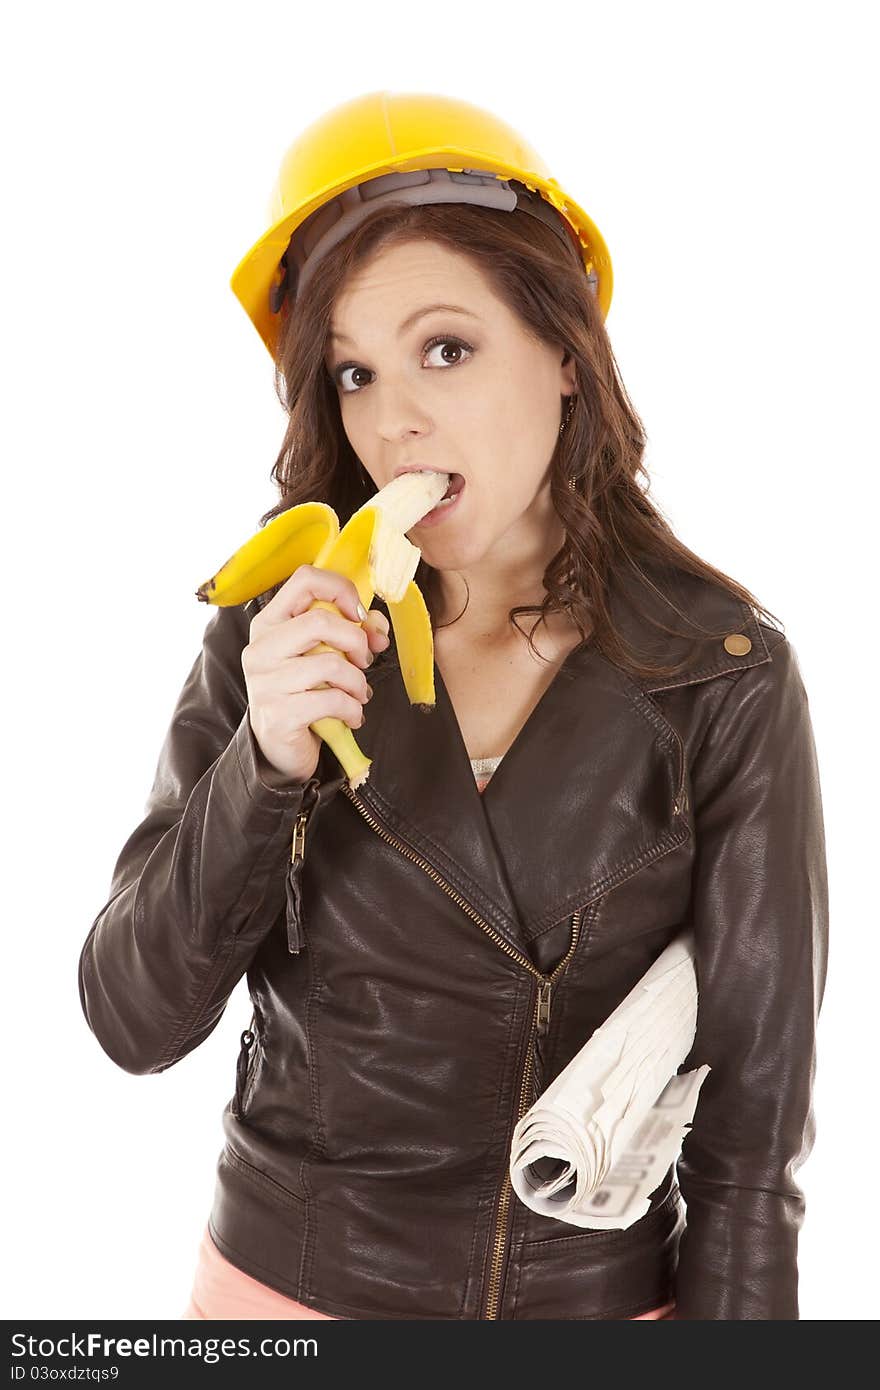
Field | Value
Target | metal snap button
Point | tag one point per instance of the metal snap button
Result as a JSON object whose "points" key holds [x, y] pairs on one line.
{"points": [[737, 644]]}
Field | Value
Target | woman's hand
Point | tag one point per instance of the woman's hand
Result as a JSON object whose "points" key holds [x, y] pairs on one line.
{"points": [[287, 688]]}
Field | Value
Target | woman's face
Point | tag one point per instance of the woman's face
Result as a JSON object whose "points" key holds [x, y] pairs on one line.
{"points": [[483, 401]]}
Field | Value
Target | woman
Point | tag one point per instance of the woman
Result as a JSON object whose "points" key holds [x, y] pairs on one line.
{"points": [[641, 761]]}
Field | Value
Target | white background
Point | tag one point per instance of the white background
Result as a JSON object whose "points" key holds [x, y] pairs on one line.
{"points": [[726, 154]]}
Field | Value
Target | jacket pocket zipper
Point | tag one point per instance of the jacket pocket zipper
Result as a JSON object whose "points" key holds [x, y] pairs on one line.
{"points": [[539, 1024], [242, 1067], [293, 884]]}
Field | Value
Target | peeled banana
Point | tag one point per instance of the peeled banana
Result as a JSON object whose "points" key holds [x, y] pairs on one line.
{"points": [[374, 553]]}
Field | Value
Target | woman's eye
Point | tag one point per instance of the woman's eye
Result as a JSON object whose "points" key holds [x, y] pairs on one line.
{"points": [[456, 343], [447, 342]]}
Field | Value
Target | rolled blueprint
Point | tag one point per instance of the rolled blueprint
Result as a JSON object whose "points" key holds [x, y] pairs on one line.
{"points": [[597, 1142]]}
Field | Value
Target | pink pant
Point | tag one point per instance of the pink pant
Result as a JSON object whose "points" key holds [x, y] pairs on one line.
{"points": [[221, 1291]]}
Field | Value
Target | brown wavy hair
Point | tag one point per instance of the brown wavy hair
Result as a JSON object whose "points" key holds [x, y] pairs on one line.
{"points": [[597, 465]]}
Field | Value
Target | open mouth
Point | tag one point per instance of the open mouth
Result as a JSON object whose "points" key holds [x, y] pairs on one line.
{"points": [[448, 502], [456, 483]]}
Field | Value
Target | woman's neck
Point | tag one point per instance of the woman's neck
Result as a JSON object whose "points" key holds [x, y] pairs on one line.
{"points": [[485, 594]]}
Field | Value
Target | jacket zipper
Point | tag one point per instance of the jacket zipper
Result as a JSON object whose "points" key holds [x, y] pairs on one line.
{"points": [[242, 1066], [293, 884], [539, 1025], [294, 915]]}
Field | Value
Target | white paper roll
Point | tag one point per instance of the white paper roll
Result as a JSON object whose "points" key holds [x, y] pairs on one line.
{"points": [[597, 1142]]}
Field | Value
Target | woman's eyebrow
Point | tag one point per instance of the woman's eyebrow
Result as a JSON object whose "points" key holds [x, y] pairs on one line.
{"points": [[408, 322]]}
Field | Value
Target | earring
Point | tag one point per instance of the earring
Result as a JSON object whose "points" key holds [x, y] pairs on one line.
{"points": [[568, 416]]}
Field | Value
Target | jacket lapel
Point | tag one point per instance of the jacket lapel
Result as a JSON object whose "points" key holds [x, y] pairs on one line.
{"points": [[585, 796], [704, 614]]}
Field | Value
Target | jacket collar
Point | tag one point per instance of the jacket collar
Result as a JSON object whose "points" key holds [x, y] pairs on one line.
{"points": [[590, 790], [706, 613]]}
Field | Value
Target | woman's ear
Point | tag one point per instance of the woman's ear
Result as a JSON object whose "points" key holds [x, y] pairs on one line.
{"points": [[569, 375]]}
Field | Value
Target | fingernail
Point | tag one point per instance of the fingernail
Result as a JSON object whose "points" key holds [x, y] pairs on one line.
{"points": [[369, 691], [362, 612]]}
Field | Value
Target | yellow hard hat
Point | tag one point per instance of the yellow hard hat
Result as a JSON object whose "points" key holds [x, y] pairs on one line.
{"points": [[408, 147]]}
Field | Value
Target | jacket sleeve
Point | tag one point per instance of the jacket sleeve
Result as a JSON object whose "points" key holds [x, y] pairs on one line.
{"points": [[200, 881], [760, 918]]}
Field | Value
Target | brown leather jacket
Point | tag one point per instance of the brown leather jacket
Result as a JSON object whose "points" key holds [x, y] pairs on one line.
{"points": [[432, 958]]}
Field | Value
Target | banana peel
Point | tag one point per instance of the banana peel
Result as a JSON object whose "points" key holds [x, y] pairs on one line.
{"points": [[372, 551]]}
